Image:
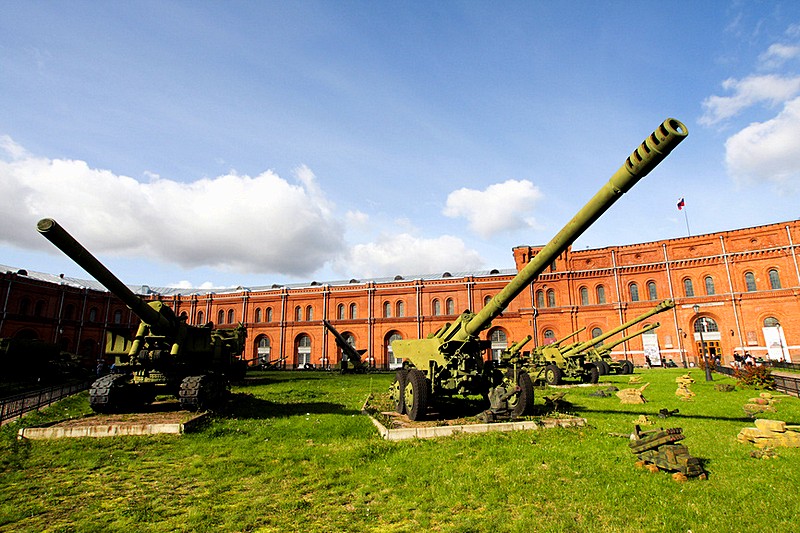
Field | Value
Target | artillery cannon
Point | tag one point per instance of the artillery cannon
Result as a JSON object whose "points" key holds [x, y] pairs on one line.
{"points": [[351, 358], [583, 360], [165, 356], [450, 361], [601, 355]]}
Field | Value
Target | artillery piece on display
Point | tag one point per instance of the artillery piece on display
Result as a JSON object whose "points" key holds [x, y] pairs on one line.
{"points": [[166, 356], [583, 360], [351, 358], [450, 361]]}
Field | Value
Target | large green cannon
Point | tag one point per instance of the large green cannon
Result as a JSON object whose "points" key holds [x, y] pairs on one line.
{"points": [[165, 356], [580, 360], [450, 361]]}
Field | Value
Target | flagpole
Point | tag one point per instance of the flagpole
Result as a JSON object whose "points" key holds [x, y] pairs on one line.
{"points": [[686, 217]]}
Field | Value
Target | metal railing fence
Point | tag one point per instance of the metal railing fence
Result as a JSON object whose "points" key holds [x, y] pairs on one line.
{"points": [[15, 406]]}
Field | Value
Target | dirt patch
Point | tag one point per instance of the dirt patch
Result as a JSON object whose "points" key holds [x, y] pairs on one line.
{"points": [[157, 413]]}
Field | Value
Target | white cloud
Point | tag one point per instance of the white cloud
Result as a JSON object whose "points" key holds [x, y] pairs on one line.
{"points": [[768, 151], [777, 54], [500, 207], [405, 254], [770, 89], [261, 224]]}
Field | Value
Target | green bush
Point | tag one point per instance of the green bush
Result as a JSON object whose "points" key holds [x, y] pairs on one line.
{"points": [[754, 377]]}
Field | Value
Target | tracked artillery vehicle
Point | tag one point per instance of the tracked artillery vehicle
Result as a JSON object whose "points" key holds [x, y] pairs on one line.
{"points": [[552, 363], [166, 356], [451, 360]]}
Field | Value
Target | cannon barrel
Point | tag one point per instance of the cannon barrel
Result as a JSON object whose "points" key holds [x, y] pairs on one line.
{"points": [[646, 157], [616, 342], [65, 242], [663, 306]]}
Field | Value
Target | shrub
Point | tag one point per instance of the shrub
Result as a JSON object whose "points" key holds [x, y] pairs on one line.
{"points": [[755, 377]]}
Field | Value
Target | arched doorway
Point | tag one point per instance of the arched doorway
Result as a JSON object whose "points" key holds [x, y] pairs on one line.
{"points": [[707, 338], [263, 351], [390, 358], [499, 341], [303, 351]]}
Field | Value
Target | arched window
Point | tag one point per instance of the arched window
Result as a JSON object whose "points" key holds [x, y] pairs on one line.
{"points": [[499, 343], [93, 314], [551, 298], [309, 313], [601, 294], [200, 317], [117, 317], [353, 311], [539, 299], [221, 317], [258, 315], [437, 307], [709, 285], [584, 296], [263, 350], [38, 309], [303, 351], [387, 309], [688, 288], [69, 312], [634, 291], [549, 336], [705, 324], [774, 279], [230, 316], [340, 311], [771, 322], [24, 306], [400, 308], [486, 300], [596, 332], [450, 306], [652, 291], [298, 313], [750, 281], [269, 314]]}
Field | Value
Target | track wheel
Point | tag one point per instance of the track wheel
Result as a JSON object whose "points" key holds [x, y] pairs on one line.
{"points": [[590, 374], [522, 403], [552, 375], [415, 394], [111, 394], [396, 390], [198, 393]]}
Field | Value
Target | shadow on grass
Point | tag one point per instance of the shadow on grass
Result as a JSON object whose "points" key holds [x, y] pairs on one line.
{"points": [[581, 409], [246, 406]]}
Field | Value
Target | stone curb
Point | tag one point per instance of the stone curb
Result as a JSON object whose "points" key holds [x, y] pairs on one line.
{"points": [[110, 430]]}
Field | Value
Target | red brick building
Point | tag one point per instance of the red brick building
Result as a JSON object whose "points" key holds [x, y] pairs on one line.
{"points": [[744, 285]]}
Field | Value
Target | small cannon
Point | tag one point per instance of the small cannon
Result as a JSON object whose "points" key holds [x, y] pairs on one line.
{"points": [[351, 358]]}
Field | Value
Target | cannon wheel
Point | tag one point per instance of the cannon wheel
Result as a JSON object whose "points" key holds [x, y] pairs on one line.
{"points": [[396, 390], [590, 374], [415, 394], [628, 367], [110, 394], [552, 375], [522, 403], [601, 369]]}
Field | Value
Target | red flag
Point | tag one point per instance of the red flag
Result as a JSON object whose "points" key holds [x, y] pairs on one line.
{"points": [[681, 203]]}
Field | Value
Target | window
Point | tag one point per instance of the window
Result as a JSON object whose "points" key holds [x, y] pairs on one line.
{"points": [[450, 306], [601, 294], [750, 281], [298, 313], [652, 291], [38, 309], [486, 300], [551, 298], [394, 362], [596, 332], [230, 316], [688, 288], [353, 311], [303, 350], [634, 292], [387, 309], [269, 314], [309, 313], [69, 312], [553, 266], [93, 314], [584, 296], [400, 308], [771, 322], [774, 279], [258, 315], [200, 317], [499, 343], [263, 351], [540, 299], [117, 317], [705, 324], [437, 307], [24, 306], [549, 336], [221, 317], [340, 311], [709, 285]]}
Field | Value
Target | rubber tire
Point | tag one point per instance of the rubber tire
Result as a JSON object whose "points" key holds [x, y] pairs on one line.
{"points": [[628, 367], [396, 390], [415, 394], [601, 367], [606, 368], [524, 404], [552, 375], [591, 374]]}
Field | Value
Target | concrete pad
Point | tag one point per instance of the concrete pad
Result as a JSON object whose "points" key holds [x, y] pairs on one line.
{"points": [[94, 426]]}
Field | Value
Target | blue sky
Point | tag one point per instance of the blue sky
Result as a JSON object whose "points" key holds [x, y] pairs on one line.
{"points": [[210, 144]]}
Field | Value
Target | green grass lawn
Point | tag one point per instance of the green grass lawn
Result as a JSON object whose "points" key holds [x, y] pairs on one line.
{"points": [[295, 454]]}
